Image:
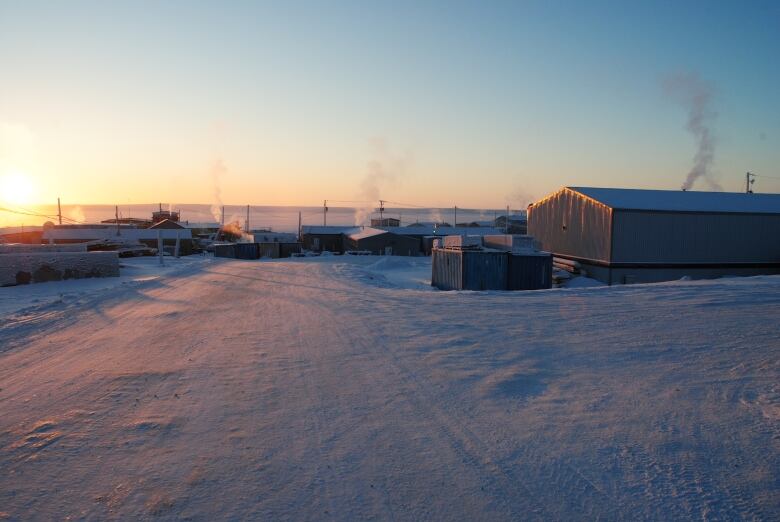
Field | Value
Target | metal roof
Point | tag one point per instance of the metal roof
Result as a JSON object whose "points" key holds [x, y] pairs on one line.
{"points": [[97, 232], [444, 231], [362, 233], [315, 229], [683, 201]]}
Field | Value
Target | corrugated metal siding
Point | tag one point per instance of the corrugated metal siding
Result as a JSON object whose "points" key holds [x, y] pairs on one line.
{"points": [[446, 273], [485, 270], [679, 237], [567, 223], [465, 270], [529, 272], [268, 249], [288, 249], [400, 245], [237, 251]]}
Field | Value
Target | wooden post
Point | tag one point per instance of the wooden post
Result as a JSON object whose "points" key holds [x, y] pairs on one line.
{"points": [[160, 247]]}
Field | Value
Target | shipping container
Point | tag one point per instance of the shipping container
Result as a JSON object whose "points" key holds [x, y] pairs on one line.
{"points": [[469, 270], [530, 271], [269, 250], [288, 249], [237, 250]]}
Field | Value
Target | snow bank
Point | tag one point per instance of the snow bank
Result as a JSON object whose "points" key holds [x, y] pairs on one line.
{"points": [[37, 267], [29, 299], [17, 248]]}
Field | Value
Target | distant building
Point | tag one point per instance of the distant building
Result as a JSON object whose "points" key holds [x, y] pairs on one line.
{"points": [[377, 241], [139, 223], [381, 242], [385, 222], [167, 224], [635, 236], [63, 234], [324, 238], [21, 234], [518, 223], [268, 236], [426, 233], [161, 215]]}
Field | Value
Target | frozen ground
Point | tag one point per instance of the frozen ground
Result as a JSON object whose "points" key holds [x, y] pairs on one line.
{"points": [[345, 388], [34, 298]]}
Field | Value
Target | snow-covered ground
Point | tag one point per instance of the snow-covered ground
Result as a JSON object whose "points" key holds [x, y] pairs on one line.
{"points": [[34, 297], [346, 388]]}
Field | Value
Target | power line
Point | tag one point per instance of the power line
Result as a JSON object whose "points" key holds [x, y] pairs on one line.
{"points": [[26, 212], [763, 176]]}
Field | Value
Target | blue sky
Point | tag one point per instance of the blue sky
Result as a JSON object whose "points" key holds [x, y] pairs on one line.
{"points": [[478, 104]]}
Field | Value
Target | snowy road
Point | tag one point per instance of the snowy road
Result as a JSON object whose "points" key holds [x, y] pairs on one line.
{"points": [[319, 389]]}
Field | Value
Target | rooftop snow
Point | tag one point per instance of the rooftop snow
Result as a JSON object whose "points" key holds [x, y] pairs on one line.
{"points": [[362, 233], [678, 200], [90, 234], [314, 229], [444, 231]]}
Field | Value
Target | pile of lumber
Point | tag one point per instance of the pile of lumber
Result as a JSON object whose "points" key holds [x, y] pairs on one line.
{"points": [[573, 267], [565, 269]]}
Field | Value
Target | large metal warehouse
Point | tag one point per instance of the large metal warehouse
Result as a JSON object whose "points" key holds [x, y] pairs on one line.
{"points": [[637, 236]]}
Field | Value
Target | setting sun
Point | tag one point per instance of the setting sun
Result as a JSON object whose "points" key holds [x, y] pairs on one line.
{"points": [[16, 188]]}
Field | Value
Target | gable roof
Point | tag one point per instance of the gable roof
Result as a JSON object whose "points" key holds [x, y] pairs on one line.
{"points": [[683, 201], [167, 224], [362, 233]]}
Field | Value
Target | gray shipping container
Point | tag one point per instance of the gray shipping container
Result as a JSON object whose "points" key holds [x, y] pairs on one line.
{"points": [[532, 271], [288, 249], [238, 251], [269, 250], [469, 270]]}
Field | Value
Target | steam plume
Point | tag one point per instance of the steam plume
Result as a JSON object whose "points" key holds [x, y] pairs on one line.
{"points": [[695, 95], [384, 170], [217, 170]]}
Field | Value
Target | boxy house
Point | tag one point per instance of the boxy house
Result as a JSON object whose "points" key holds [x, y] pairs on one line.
{"points": [[381, 242], [637, 236], [324, 238]]}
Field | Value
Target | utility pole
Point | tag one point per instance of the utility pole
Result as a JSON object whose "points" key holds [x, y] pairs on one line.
{"points": [[456, 217], [506, 221], [223, 216], [749, 182], [116, 218], [246, 223], [381, 212], [325, 213], [59, 211], [299, 225]]}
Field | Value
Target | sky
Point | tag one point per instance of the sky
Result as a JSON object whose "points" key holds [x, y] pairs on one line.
{"points": [[475, 104]]}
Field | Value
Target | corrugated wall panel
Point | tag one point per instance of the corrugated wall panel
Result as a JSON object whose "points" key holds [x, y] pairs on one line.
{"points": [[529, 272], [446, 272], [570, 224], [667, 237], [485, 270]]}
